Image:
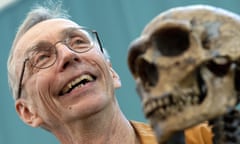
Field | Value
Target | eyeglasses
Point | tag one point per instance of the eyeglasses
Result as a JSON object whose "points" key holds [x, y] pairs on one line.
{"points": [[44, 54]]}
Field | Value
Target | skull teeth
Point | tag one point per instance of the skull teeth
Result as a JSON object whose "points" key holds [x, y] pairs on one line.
{"points": [[166, 106], [221, 60]]}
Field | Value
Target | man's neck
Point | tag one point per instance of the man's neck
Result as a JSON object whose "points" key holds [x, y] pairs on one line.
{"points": [[102, 128]]}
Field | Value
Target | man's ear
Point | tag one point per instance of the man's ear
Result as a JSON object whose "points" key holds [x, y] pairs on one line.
{"points": [[27, 113], [116, 78]]}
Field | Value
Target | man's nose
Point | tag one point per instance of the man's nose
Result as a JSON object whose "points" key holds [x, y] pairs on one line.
{"points": [[66, 57]]}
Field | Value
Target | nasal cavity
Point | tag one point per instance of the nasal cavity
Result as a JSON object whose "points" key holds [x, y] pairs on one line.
{"points": [[148, 73], [172, 41]]}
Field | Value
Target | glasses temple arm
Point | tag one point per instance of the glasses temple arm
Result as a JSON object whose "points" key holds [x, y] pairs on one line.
{"points": [[99, 42], [21, 78]]}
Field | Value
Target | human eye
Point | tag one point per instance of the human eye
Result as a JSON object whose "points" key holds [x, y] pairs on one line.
{"points": [[43, 57], [40, 58], [79, 42]]}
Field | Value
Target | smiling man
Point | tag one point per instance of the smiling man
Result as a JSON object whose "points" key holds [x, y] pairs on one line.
{"points": [[62, 81]]}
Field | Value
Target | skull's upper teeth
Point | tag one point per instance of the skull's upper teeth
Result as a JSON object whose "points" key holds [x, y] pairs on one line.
{"points": [[221, 60], [80, 81]]}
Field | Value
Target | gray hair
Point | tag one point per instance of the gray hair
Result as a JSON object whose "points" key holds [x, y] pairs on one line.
{"points": [[35, 16]]}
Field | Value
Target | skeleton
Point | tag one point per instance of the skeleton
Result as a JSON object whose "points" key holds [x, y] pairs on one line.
{"points": [[186, 65]]}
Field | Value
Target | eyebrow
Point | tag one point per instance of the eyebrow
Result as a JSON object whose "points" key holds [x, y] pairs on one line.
{"points": [[65, 32], [40, 44]]}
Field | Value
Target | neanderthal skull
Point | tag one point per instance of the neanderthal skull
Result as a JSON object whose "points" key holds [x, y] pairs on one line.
{"points": [[186, 65]]}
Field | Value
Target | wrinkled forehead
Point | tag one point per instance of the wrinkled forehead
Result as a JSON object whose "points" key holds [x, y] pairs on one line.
{"points": [[49, 30]]}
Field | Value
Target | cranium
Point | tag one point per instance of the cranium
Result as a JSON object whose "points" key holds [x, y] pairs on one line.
{"points": [[186, 67]]}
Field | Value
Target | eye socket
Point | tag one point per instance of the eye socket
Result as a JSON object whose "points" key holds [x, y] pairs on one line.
{"points": [[78, 42], [172, 41], [148, 73], [43, 57], [136, 49]]}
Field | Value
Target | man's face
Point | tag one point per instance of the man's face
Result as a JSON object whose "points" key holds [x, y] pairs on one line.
{"points": [[45, 87]]}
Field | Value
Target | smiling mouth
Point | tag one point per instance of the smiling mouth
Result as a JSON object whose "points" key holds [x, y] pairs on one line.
{"points": [[77, 83]]}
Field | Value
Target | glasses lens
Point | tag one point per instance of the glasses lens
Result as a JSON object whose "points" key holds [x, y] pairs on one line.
{"points": [[43, 56], [80, 40]]}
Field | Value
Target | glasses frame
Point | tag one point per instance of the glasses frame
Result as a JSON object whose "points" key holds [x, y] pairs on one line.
{"points": [[27, 59]]}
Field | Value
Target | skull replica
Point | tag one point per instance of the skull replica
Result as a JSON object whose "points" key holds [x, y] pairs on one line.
{"points": [[186, 66]]}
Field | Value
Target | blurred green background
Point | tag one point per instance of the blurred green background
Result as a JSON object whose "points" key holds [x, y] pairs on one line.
{"points": [[118, 23]]}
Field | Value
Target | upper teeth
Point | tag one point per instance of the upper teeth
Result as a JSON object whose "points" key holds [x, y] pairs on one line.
{"points": [[76, 81]]}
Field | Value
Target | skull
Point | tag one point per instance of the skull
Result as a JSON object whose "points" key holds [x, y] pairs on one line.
{"points": [[186, 65]]}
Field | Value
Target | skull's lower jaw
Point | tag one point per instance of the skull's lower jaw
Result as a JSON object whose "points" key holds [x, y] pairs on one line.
{"points": [[170, 113]]}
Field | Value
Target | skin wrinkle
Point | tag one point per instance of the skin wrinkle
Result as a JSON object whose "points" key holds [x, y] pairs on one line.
{"points": [[78, 117], [49, 105], [48, 101], [63, 35], [28, 46]]}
